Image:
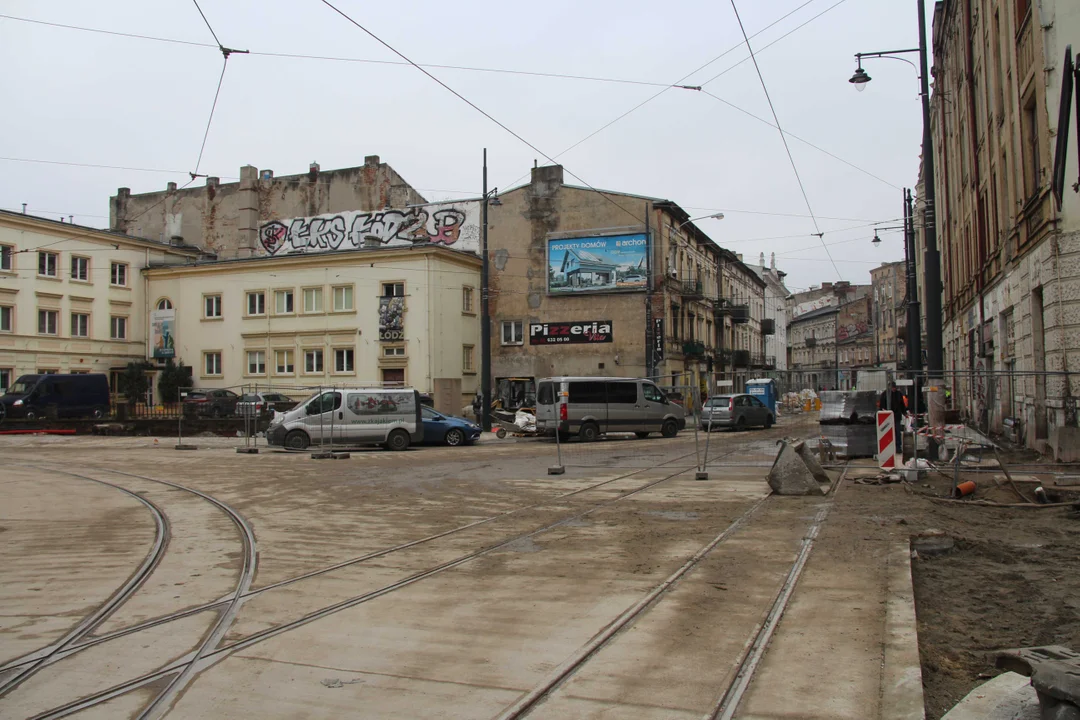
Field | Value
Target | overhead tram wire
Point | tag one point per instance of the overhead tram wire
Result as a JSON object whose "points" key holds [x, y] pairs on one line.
{"points": [[791, 158]]}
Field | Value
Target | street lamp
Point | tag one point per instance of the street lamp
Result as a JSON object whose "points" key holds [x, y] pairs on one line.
{"points": [[489, 198], [931, 258], [714, 216]]}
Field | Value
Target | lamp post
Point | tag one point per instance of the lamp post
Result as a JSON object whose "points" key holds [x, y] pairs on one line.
{"points": [[485, 312], [931, 257]]}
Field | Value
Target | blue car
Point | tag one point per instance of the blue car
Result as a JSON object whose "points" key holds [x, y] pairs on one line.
{"points": [[442, 429]]}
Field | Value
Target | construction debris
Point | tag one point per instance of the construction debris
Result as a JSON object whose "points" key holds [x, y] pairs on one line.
{"points": [[792, 474]]}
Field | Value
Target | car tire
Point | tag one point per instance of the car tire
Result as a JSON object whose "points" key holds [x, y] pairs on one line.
{"points": [[740, 424], [215, 412], [500, 433], [589, 432], [669, 429], [398, 440], [31, 415], [455, 438], [99, 413], [768, 422], [297, 440], [642, 435]]}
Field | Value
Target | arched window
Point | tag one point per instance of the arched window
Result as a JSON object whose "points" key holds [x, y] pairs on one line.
{"points": [[164, 304]]}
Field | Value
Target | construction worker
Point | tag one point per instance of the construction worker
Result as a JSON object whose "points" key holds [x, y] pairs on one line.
{"points": [[893, 400]]}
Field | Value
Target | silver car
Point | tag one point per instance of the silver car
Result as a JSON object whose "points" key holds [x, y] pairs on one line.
{"points": [[738, 411]]}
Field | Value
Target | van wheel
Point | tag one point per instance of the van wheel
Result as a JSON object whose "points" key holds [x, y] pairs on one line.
{"points": [[669, 429], [398, 440], [589, 432], [297, 440], [642, 435], [768, 422]]}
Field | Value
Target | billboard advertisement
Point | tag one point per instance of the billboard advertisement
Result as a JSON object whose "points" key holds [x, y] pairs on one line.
{"points": [[391, 319], [557, 333], [162, 339], [610, 263]]}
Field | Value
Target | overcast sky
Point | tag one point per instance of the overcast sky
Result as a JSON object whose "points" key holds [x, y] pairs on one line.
{"points": [[73, 96]]}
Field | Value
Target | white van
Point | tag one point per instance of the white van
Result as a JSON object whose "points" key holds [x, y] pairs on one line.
{"points": [[590, 406], [351, 416]]}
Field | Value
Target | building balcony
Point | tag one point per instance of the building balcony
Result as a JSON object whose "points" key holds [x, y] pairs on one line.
{"points": [[693, 349], [768, 326], [811, 342], [740, 358], [740, 314], [690, 289]]}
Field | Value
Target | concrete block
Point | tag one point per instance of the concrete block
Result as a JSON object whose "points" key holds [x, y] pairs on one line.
{"points": [[811, 463], [556, 470], [1065, 443], [247, 450], [789, 474]]}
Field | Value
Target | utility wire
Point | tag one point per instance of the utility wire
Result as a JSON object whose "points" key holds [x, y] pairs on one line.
{"points": [[94, 165], [224, 65], [208, 26], [783, 137]]}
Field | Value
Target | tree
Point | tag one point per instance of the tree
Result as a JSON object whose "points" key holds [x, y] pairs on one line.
{"points": [[134, 382], [173, 379]]}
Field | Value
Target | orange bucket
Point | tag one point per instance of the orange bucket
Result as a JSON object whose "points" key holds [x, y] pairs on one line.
{"points": [[964, 488]]}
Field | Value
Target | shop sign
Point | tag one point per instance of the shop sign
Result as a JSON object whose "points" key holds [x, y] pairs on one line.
{"points": [[554, 333]]}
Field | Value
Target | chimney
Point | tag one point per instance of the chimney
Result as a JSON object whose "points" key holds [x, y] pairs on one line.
{"points": [[313, 171], [247, 221], [739, 256], [761, 261], [171, 187], [371, 161], [267, 175], [772, 261], [826, 286]]}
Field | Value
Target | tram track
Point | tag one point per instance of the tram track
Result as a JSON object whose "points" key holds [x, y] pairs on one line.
{"points": [[180, 671]]}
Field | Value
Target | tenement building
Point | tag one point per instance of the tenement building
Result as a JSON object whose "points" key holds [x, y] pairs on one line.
{"points": [[1010, 251]]}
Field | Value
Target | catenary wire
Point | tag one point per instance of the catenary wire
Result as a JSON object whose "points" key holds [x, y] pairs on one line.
{"points": [[209, 120], [791, 158], [208, 26]]}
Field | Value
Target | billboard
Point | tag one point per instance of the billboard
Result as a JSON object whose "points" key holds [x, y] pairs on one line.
{"points": [[162, 339], [391, 319], [610, 263], [557, 333], [455, 225]]}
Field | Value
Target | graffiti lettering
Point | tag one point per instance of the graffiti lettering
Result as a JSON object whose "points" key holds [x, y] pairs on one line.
{"points": [[454, 226], [851, 330]]}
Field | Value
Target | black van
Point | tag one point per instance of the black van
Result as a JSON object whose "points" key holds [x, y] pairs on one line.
{"points": [[57, 396]]}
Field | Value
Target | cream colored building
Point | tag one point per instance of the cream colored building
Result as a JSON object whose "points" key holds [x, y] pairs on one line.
{"points": [[72, 298], [407, 315]]}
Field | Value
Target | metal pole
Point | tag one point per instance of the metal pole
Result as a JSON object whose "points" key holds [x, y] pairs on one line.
{"points": [[914, 317], [932, 260], [485, 317], [650, 331]]}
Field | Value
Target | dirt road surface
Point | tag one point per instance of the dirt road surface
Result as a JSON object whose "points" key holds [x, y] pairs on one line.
{"points": [[140, 581]]}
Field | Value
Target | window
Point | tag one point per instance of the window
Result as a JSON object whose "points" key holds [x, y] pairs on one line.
{"points": [[256, 303], [5, 379], [513, 332], [343, 360], [118, 274], [283, 302], [6, 254], [212, 363], [256, 362], [393, 351], [587, 392], [1031, 148], [467, 300], [80, 269], [80, 325], [545, 394], [283, 362], [164, 304], [468, 363], [652, 393], [118, 327], [47, 321], [313, 361], [46, 264], [343, 298], [624, 393], [312, 300], [7, 318], [393, 290], [212, 306]]}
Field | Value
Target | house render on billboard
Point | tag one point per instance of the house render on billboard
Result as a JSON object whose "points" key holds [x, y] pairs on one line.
{"points": [[571, 292]]}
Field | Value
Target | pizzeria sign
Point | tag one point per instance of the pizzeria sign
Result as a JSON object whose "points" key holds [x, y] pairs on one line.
{"points": [[557, 333]]}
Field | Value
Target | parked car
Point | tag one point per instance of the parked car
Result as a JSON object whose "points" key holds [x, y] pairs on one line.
{"points": [[57, 396], [590, 406], [215, 403], [440, 429], [738, 411], [351, 416], [263, 404]]}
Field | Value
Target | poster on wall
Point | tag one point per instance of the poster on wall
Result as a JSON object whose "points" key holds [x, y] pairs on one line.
{"points": [[557, 333], [162, 338], [391, 319], [611, 263], [454, 225], [658, 339]]}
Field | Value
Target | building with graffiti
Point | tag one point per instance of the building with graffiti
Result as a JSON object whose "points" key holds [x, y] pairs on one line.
{"points": [[393, 315]]}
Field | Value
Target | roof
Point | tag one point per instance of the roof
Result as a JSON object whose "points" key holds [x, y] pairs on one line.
{"points": [[815, 314], [57, 224]]}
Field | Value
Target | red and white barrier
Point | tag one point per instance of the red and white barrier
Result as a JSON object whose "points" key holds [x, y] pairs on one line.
{"points": [[886, 440]]}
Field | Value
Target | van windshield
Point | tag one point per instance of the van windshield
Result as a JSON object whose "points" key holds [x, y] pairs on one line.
{"points": [[721, 401], [22, 386]]}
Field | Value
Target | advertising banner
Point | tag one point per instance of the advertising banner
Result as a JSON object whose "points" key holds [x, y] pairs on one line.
{"points": [[162, 339], [612, 263], [556, 333], [658, 339], [391, 319], [455, 225]]}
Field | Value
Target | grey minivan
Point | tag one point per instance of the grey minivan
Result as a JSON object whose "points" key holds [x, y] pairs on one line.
{"points": [[737, 411], [591, 406]]}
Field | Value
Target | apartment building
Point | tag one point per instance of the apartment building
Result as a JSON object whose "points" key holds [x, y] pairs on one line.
{"points": [[72, 298], [888, 292]]}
